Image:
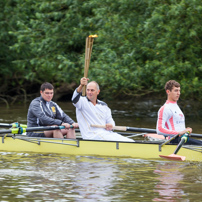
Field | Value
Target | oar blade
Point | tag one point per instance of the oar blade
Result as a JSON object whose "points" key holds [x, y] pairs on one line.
{"points": [[173, 157]]}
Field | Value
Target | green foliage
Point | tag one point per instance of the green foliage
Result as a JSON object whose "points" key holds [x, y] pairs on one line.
{"points": [[151, 42], [140, 44]]}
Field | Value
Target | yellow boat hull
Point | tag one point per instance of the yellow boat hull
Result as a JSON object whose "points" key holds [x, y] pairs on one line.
{"points": [[138, 149]]}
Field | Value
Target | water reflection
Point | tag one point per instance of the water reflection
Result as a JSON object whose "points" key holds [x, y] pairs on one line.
{"points": [[34, 177], [49, 177], [40, 177], [169, 186], [94, 178]]}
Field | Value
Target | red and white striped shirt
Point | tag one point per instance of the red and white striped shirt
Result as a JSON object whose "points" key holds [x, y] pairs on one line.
{"points": [[171, 120]]}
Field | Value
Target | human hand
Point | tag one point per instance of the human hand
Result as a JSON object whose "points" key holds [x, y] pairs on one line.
{"points": [[109, 126], [84, 81], [75, 125], [187, 130], [66, 125]]}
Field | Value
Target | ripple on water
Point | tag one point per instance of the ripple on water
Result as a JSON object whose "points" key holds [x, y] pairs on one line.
{"points": [[39, 177]]}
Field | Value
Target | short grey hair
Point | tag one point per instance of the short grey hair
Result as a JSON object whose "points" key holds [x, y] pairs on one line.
{"points": [[97, 85]]}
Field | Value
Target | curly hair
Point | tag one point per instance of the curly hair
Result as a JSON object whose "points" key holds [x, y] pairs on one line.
{"points": [[170, 84]]}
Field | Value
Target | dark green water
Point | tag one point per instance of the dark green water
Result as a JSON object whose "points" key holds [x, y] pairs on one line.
{"points": [[134, 114], [39, 177]]}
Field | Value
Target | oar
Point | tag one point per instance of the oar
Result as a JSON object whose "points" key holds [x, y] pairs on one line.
{"points": [[125, 128], [12, 125], [140, 130], [31, 129], [174, 156], [20, 131]]}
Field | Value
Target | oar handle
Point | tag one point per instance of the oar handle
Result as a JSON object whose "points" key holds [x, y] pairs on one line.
{"points": [[126, 128], [31, 129], [170, 140], [141, 130], [21, 130], [6, 125], [23, 125], [166, 142], [46, 128], [182, 141], [179, 145], [122, 128], [13, 125]]}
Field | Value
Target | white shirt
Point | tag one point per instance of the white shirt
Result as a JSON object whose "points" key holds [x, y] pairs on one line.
{"points": [[87, 114], [99, 114], [171, 120]]}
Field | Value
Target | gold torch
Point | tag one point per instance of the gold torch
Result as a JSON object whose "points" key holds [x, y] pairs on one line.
{"points": [[88, 51]]}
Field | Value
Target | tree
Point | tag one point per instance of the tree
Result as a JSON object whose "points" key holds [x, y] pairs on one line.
{"points": [[140, 45]]}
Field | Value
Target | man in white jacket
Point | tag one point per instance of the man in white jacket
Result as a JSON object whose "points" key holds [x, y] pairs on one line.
{"points": [[91, 111]]}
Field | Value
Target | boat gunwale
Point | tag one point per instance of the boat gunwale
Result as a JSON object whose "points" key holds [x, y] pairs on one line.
{"points": [[78, 140], [22, 137], [119, 145]]}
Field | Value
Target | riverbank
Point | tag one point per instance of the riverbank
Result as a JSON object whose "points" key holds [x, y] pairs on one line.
{"points": [[144, 106]]}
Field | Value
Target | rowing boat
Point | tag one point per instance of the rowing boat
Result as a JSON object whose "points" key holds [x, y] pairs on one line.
{"points": [[141, 149]]}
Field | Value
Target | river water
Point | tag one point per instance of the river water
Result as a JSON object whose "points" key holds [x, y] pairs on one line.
{"points": [[51, 177]]}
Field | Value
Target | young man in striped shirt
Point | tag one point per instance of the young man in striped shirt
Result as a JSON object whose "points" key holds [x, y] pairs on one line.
{"points": [[171, 120]]}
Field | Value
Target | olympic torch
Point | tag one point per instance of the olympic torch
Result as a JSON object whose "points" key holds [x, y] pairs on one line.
{"points": [[88, 51]]}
